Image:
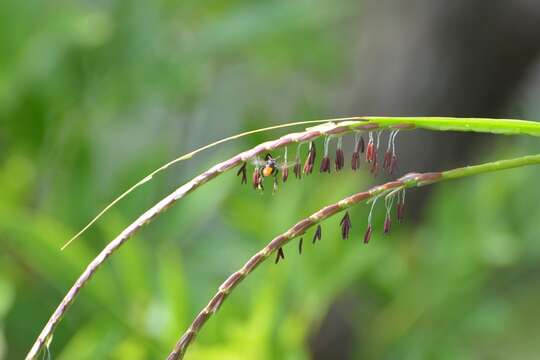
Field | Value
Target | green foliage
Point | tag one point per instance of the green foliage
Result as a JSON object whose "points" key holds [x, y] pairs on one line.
{"points": [[93, 96]]}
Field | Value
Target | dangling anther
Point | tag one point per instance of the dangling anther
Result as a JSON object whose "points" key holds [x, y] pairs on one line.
{"points": [[374, 162], [257, 179], [400, 206], [280, 255], [285, 168], [318, 234], [393, 160], [387, 223], [388, 202], [374, 166], [367, 234], [370, 148], [369, 230], [325, 162], [340, 159], [358, 148], [297, 164], [242, 171], [300, 245], [276, 185], [388, 153], [345, 226], [312, 153]]}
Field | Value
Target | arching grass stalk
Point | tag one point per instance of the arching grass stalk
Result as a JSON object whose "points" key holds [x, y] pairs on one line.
{"points": [[408, 181], [189, 155], [495, 126], [340, 128], [337, 127]]}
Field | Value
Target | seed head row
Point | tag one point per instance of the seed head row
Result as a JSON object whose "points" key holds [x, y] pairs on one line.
{"points": [[272, 167], [397, 196]]}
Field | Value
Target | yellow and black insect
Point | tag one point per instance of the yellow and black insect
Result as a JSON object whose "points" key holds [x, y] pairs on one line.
{"points": [[269, 168]]}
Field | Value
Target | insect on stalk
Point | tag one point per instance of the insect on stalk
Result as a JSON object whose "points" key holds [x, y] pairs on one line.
{"points": [[335, 127]]}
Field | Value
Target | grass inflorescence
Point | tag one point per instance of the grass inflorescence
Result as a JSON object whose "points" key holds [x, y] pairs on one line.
{"points": [[394, 192]]}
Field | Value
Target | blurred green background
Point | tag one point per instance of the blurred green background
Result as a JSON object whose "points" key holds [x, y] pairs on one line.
{"points": [[95, 95]]}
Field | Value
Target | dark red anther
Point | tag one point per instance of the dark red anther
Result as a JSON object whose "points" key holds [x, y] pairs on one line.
{"points": [[300, 245], [393, 164], [284, 172], [257, 179], [367, 235], [242, 171], [297, 168], [387, 224], [340, 159], [308, 165], [370, 151], [374, 164], [325, 164], [318, 234], [355, 162], [345, 226], [280, 255], [358, 148], [387, 160], [400, 212]]}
